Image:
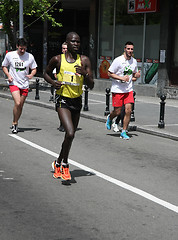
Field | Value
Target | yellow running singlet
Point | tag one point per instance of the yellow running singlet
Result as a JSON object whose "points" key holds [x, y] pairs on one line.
{"points": [[73, 82]]}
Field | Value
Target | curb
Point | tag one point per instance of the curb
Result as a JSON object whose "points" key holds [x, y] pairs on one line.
{"points": [[157, 133], [99, 118]]}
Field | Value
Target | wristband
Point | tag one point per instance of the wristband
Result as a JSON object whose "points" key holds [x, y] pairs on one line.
{"points": [[87, 74]]}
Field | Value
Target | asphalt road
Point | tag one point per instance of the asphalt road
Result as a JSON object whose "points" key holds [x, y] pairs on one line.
{"points": [[120, 190]]}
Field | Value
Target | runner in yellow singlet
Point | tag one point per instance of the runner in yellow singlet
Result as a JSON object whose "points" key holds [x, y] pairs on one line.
{"points": [[72, 71]]}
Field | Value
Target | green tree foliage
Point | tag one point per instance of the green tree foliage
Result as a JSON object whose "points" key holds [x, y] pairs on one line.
{"points": [[9, 14]]}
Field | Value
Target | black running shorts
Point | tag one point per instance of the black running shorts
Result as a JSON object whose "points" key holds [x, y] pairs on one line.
{"points": [[73, 104]]}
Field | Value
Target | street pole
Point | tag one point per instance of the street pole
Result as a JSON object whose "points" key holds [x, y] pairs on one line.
{"points": [[45, 45], [20, 18], [143, 48], [114, 30]]}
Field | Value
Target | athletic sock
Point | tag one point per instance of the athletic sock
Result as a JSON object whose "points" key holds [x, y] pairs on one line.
{"points": [[64, 164], [57, 164]]}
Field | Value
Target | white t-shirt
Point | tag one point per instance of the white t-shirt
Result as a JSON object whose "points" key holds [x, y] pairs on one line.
{"points": [[54, 70], [19, 67], [121, 67]]}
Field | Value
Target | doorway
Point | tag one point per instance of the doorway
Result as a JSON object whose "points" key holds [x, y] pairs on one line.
{"points": [[174, 64]]}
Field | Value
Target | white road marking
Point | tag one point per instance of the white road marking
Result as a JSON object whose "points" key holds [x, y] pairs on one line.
{"points": [[90, 100], [152, 100], [170, 125], [126, 186], [91, 93], [96, 101], [8, 178], [5, 178], [1, 171]]}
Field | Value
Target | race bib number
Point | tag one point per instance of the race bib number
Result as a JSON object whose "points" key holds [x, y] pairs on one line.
{"points": [[19, 66]]}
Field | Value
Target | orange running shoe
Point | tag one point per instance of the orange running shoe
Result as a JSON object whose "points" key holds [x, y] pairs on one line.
{"points": [[65, 174], [57, 170]]}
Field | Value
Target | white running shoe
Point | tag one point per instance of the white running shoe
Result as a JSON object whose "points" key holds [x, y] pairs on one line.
{"points": [[14, 129], [115, 127]]}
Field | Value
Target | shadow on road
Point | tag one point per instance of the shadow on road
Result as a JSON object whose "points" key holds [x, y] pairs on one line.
{"points": [[75, 174], [118, 134], [29, 129]]}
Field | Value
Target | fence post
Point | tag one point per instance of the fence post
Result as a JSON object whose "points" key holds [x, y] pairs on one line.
{"points": [[85, 107], [107, 102], [132, 117], [52, 93], [37, 89], [161, 123]]}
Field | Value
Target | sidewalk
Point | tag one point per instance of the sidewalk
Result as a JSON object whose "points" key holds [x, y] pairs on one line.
{"points": [[147, 111]]}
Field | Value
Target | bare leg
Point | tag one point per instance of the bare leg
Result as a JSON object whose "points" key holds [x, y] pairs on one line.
{"points": [[115, 112], [128, 109], [70, 122], [120, 117], [18, 105]]}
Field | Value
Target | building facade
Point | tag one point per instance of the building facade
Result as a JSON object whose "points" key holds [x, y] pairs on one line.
{"points": [[155, 38], [105, 26]]}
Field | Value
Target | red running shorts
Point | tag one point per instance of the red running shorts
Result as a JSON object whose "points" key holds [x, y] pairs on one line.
{"points": [[119, 99], [14, 88]]}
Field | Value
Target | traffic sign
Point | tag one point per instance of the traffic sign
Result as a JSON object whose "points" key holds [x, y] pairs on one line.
{"points": [[142, 6]]}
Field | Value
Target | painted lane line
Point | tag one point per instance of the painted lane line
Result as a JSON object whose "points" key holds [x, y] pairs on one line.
{"points": [[170, 125], [121, 184], [1, 171], [8, 179], [96, 101], [34, 145], [5, 178], [92, 100]]}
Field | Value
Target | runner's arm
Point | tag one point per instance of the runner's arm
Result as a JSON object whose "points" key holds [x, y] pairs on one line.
{"points": [[136, 75], [5, 70], [121, 78], [86, 71], [32, 74], [53, 63]]}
